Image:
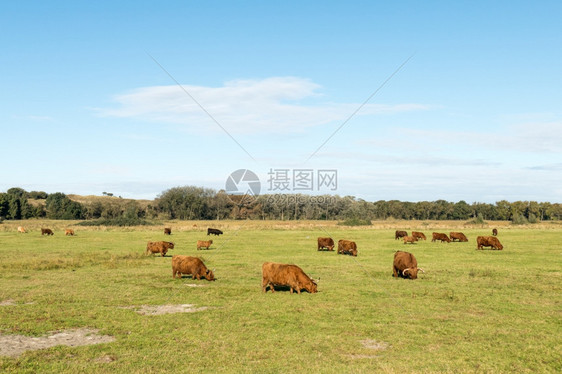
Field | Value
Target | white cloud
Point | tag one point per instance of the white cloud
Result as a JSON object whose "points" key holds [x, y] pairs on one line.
{"points": [[243, 106]]}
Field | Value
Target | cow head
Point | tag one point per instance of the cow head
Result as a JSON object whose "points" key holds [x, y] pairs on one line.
{"points": [[210, 242], [209, 275], [170, 245], [500, 246], [411, 273], [311, 287]]}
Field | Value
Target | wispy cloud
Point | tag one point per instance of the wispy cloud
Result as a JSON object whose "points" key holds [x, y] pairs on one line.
{"points": [[534, 137], [274, 104], [547, 167]]}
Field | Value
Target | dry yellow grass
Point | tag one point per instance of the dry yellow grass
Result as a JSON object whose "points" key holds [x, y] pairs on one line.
{"points": [[35, 225]]}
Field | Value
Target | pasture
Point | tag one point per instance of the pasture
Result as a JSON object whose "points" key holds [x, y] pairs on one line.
{"points": [[472, 311]]}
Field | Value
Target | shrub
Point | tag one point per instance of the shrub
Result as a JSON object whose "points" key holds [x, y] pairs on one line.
{"points": [[478, 220], [519, 219]]}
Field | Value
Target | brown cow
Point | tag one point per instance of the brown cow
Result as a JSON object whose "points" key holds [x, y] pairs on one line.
{"points": [[47, 232], [22, 230], [488, 241], [190, 265], [440, 236], [274, 274], [410, 239], [418, 235], [325, 243], [400, 234], [405, 265], [347, 247], [167, 231], [159, 247], [204, 244], [68, 232], [495, 232], [458, 236]]}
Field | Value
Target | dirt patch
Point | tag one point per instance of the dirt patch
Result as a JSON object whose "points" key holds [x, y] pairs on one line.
{"points": [[194, 285], [15, 345], [105, 359], [155, 310], [374, 345], [11, 302], [370, 344]]}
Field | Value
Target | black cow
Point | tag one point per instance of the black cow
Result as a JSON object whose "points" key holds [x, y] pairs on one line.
{"points": [[214, 231]]}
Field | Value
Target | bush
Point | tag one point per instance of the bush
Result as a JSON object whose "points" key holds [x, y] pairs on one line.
{"points": [[478, 220], [119, 221], [355, 222], [519, 219]]}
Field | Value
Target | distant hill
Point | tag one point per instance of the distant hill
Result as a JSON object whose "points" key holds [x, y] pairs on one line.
{"points": [[88, 200]]}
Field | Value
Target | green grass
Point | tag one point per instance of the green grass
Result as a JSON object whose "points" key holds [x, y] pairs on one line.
{"points": [[472, 311]]}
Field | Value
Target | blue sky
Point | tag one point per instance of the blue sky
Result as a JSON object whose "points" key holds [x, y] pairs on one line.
{"points": [[88, 105]]}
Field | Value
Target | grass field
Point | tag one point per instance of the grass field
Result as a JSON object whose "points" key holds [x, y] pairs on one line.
{"points": [[472, 311]]}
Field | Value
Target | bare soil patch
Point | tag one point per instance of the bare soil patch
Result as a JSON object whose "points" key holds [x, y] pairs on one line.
{"points": [[8, 302], [155, 310], [15, 345], [370, 344], [374, 345]]}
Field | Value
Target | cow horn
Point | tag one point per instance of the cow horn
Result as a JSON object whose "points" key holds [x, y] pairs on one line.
{"points": [[420, 269], [405, 270]]}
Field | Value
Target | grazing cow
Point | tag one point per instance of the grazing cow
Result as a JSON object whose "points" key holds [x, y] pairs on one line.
{"points": [[190, 265], [400, 234], [274, 274], [47, 232], [22, 230], [440, 236], [159, 247], [410, 239], [204, 244], [347, 247], [167, 231], [418, 235], [405, 265], [488, 241], [214, 231], [68, 232], [458, 236], [495, 232], [325, 243]]}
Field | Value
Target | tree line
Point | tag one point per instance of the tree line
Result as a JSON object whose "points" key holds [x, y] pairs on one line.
{"points": [[199, 203]]}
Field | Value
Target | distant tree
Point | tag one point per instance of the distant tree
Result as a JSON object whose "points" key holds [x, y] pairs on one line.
{"points": [[36, 195], [59, 206], [14, 210], [95, 210], [18, 192], [4, 204], [187, 202]]}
